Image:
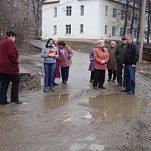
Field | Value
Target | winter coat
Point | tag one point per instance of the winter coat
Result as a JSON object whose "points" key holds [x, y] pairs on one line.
{"points": [[45, 54], [91, 56], [8, 57], [65, 56], [131, 54], [112, 63], [100, 55], [119, 53]]}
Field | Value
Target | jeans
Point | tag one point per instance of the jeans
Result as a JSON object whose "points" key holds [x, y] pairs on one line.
{"points": [[49, 75], [129, 73], [5, 80], [65, 73]]}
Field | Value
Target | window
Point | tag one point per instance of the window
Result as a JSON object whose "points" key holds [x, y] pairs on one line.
{"points": [[113, 30], [81, 28], [69, 10], [134, 33], [55, 30], [106, 29], [122, 14], [106, 10], [82, 10], [55, 11], [121, 32], [68, 29], [129, 14], [128, 31], [114, 12]]}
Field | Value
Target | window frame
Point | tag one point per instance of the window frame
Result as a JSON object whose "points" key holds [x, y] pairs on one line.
{"points": [[68, 10], [68, 29]]}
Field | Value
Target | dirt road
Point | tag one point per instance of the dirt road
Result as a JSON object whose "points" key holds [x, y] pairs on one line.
{"points": [[76, 117]]}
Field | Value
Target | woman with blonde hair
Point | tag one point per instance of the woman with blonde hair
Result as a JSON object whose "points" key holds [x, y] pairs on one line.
{"points": [[101, 57]]}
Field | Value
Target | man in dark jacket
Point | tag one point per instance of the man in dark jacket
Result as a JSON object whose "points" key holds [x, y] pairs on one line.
{"points": [[9, 69], [119, 54], [131, 56]]}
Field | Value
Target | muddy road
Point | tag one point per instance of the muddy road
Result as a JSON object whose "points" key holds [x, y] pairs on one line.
{"points": [[76, 117]]}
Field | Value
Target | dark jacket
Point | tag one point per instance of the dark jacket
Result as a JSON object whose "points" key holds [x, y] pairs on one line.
{"points": [[112, 63], [8, 57], [131, 54], [119, 53]]}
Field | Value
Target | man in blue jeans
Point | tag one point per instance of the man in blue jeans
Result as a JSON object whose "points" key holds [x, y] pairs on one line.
{"points": [[131, 56]]}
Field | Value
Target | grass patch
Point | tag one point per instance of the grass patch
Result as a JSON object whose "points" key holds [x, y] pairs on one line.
{"points": [[81, 45]]}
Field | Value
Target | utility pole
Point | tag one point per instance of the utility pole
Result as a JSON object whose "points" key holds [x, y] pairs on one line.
{"points": [[142, 27]]}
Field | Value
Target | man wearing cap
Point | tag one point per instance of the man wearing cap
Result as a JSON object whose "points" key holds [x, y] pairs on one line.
{"points": [[119, 54], [131, 56]]}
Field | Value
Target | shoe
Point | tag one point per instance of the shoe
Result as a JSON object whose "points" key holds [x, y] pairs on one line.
{"points": [[4, 103], [95, 88], [102, 87], [130, 92], [45, 89], [52, 89], [18, 102], [64, 81], [90, 81], [113, 80], [109, 80], [119, 85], [124, 91], [55, 84]]}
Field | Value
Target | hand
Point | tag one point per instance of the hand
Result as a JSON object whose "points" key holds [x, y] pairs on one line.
{"points": [[133, 65], [103, 61]]}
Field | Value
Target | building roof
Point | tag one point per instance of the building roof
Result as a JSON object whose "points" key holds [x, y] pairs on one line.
{"points": [[49, 1]]}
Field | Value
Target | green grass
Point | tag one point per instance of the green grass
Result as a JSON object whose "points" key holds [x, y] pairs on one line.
{"points": [[81, 45]]}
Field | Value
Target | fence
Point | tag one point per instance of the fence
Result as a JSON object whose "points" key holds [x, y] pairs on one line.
{"points": [[147, 53]]}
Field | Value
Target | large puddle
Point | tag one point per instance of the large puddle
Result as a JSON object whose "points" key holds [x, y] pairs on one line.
{"points": [[56, 101], [113, 107]]}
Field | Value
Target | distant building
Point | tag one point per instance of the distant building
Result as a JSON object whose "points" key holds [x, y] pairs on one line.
{"points": [[83, 19]]}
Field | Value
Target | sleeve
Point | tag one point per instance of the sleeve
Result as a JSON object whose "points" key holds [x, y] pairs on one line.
{"points": [[96, 58], [57, 53], [44, 54], [136, 54], [107, 56], [70, 52], [12, 52], [117, 53]]}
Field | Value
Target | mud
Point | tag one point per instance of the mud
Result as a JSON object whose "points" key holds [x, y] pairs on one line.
{"points": [[76, 117]]}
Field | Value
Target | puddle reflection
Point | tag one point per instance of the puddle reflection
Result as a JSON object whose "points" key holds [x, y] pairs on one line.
{"points": [[56, 101], [113, 107]]}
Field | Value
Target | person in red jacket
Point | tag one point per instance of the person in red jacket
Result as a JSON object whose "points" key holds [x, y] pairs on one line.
{"points": [[9, 69]]}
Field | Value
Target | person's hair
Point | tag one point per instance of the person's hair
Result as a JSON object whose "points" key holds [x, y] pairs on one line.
{"points": [[61, 43], [113, 42], [100, 41], [10, 33], [130, 36], [48, 42]]}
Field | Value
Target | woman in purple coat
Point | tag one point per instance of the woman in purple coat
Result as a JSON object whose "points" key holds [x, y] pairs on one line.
{"points": [[91, 65]]}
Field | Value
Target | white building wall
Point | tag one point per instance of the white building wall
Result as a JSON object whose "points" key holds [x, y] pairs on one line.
{"points": [[94, 19], [89, 20]]}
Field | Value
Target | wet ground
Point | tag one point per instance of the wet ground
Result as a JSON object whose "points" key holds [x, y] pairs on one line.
{"points": [[76, 117]]}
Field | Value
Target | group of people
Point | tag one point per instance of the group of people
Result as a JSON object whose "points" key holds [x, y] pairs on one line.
{"points": [[115, 59], [57, 56]]}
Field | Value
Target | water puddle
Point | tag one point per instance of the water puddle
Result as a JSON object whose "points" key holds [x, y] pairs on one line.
{"points": [[114, 107], [56, 101]]}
